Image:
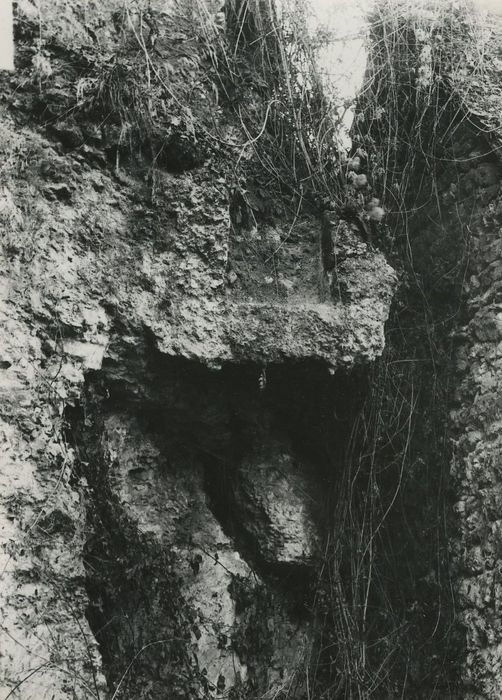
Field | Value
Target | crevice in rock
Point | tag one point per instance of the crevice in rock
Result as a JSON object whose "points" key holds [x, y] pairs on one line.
{"points": [[299, 423], [200, 471]]}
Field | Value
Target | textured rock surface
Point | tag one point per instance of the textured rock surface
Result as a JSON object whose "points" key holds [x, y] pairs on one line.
{"points": [[47, 648], [477, 422], [79, 288], [165, 498], [97, 273], [163, 495], [476, 417], [277, 505]]}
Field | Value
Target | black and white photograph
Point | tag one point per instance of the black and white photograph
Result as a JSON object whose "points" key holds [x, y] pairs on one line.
{"points": [[250, 349]]}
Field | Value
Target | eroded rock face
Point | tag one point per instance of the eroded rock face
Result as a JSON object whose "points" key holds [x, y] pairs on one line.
{"points": [[165, 499], [241, 633], [476, 422], [99, 270], [276, 503], [42, 599], [475, 468]]}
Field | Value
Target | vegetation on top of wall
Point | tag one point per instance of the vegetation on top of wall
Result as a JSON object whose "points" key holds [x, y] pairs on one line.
{"points": [[187, 86], [407, 105], [144, 93], [268, 68]]}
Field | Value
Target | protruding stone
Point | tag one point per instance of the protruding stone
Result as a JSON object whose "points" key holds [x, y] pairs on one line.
{"points": [[276, 501]]}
